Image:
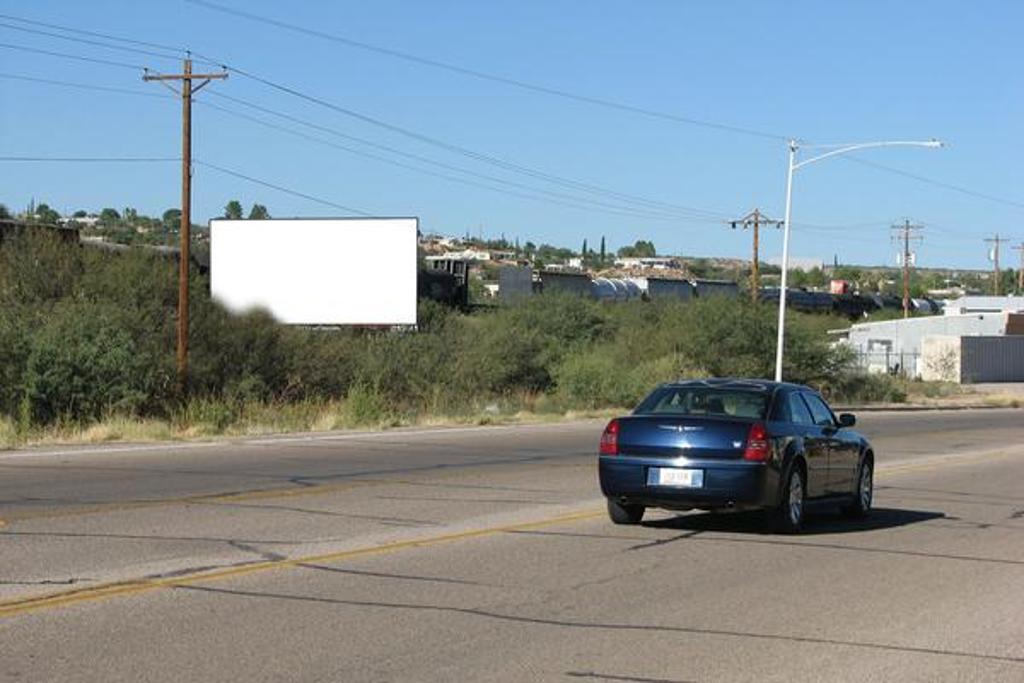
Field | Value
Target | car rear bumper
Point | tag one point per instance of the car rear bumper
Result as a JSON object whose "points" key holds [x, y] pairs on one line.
{"points": [[726, 483]]}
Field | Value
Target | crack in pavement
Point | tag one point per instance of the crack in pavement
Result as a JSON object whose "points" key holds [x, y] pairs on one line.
{"points": [[571, 624]]}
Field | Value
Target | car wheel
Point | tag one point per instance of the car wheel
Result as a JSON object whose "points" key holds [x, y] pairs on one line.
{"points": [[788, 518], [624, 513], [861, 504]]}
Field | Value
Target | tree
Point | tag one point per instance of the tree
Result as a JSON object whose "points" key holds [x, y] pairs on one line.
{"points": [[640, 249], [5, 213], [233, 210], [171, 219], [131, 216], [44, 214], [81, 213], [258, 212], [109, 217], [604, 254], [583, 253]]}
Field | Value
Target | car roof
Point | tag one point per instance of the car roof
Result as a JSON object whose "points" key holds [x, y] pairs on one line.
{"points": [[737, 383]]}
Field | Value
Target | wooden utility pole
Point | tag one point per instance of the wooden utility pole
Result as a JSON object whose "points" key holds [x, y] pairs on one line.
{"points": [[904, 235], [187, 90], [755, 219], [1020, 271], [996, 240]]}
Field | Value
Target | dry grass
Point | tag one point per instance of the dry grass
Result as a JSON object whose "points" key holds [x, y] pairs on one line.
{"points": [[205, 422], [1003, 400], [8, 433], [204, 419]]}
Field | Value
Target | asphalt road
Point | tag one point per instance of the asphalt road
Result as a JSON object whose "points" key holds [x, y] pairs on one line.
{"points": [[483, 554]]}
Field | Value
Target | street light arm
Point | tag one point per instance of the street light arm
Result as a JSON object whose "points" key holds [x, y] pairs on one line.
{"points": [[868, 145], [787, 223]]}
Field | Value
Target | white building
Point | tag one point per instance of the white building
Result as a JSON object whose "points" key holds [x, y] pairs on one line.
{"points": [[985, 304], [467, 255], [896, 345], [653, 262]]}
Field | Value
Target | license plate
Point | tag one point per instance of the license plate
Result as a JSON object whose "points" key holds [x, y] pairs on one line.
{"points": [[675, 476]]}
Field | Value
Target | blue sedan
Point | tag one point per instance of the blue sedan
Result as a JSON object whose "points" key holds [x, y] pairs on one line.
{"points": [[734, 444]]}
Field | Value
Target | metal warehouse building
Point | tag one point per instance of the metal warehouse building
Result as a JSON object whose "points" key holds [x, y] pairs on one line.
{"points": [[909, 346]]}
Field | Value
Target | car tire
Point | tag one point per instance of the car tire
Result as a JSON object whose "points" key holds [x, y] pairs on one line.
{"points": [[788, 517], [862, 499], [624, 513]]}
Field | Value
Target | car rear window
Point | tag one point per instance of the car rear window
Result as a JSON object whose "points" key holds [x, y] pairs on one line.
{"points": [[742, 403]]}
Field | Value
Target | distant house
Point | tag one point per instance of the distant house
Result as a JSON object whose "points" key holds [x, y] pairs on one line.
{"points": [[653, 262], [467, 255], [81, 221]]}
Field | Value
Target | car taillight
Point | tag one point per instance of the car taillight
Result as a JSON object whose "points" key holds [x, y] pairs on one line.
{"points": [[757, 444], [610, 439]]}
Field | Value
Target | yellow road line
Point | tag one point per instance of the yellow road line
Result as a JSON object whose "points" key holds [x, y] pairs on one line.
{"points": [[64, 598], [102, 591]]}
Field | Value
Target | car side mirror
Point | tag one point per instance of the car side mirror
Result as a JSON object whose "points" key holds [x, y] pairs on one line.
{"points": [[847, 419]]}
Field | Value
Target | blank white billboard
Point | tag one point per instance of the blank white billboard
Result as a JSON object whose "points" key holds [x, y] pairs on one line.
{"points": [[344, 271]]}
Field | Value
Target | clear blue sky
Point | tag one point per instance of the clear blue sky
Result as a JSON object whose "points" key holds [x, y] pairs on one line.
{"points": [[821, 71]]}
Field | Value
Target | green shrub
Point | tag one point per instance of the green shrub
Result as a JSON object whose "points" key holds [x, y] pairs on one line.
{"points": [[365, 405], [82, 365], [87, 334], [861, 387], [206, 415]]}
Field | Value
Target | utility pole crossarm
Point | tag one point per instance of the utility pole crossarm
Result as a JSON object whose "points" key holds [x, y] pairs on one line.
{"points": [[1020, 272], [181, 77], [755, 219], [996, 240], [904, 236]]}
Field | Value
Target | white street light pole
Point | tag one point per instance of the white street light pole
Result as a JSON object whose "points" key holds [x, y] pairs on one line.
{"points": [[793, 166]]}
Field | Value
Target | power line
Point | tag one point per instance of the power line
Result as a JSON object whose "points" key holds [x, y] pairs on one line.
{"points": [[65, 55], [102, 160], [575, 203], [453, 148], [95, 34], [86, 41], [621, 210], [454, 68], [82, 86], [279, 188], [581, 203], [937, 183], [395, 53]]}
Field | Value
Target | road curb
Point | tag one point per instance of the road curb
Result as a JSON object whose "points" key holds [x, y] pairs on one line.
{"points": [[911, 408]]}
